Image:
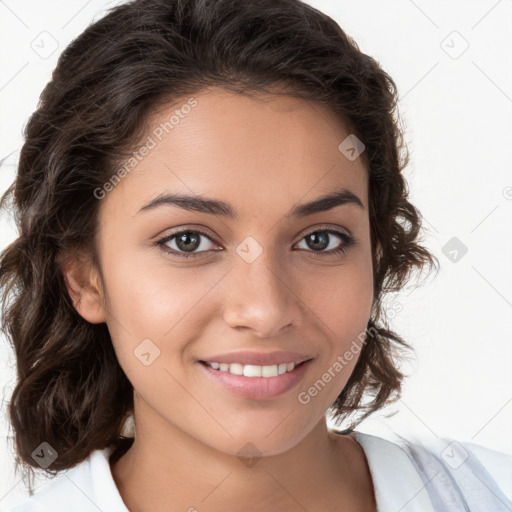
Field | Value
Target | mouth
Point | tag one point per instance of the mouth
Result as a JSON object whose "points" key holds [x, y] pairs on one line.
{"points": [[253, 381], [253, 370]]}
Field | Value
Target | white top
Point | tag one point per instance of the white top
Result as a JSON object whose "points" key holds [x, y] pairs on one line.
{"points": [[407, 476]]}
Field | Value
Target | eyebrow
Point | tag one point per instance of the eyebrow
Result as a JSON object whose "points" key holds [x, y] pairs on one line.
{"points": [[215, 207]]}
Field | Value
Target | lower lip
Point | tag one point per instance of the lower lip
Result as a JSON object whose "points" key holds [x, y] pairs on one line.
{"points": [[257, 388]]}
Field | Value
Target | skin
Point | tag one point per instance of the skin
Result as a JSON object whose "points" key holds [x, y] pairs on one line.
{"points": [[292, 297]]}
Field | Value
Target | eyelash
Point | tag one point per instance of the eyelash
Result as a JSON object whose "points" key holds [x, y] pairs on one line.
{"points": [[348, 242]]}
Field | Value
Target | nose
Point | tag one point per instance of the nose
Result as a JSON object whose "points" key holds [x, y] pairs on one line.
{"points": [[261, 297]]}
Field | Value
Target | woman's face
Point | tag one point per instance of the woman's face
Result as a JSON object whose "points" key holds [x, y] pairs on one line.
{"points": [[263, 279]]}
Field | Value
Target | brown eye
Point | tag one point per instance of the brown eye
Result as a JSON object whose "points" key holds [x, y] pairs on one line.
{"points": [[187, 242], [320, 240]]}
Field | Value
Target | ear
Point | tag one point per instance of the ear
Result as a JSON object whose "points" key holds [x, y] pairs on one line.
{"points": [[84, 286], [376, 254]]}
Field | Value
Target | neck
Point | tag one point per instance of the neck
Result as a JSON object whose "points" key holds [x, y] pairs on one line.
{"points": [[322, 472]]}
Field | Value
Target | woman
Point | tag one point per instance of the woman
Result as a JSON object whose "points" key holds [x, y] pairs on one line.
{"points": [[211, 209]]}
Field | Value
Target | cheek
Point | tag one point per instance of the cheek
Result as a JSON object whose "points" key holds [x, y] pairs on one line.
{"points": [[342, 298], [341, 303], [152, 301], [148, 296]]}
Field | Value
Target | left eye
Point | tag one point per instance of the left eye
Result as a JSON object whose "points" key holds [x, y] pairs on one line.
{"points": [[188, 242], [322, 240]]}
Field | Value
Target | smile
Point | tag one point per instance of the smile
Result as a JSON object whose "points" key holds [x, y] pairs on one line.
{"points": [[253, 381], [252, 370]]}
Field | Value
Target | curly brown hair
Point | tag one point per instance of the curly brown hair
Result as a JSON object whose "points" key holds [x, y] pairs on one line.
{"points": [[71, 391]]}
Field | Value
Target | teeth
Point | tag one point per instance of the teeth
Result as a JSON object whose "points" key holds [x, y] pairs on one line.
{"points": [[251, 370]]}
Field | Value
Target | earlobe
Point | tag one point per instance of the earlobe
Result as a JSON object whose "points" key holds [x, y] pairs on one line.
{"points": [[84, 287]]}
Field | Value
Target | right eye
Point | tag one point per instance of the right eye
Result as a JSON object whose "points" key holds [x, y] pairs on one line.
{"points": [[186, 241]]}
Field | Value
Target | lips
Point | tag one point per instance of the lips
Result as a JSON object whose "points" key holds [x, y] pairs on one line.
{"points": [[245, 357], [253, 387]]}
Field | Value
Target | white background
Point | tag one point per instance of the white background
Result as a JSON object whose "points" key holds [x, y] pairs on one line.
{"points": [[457, 112]]}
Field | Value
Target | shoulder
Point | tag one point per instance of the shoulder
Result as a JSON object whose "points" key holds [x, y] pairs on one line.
{"points": [[483, 475], [87, 487], [54, 491], [440, 471], [498, 465]]}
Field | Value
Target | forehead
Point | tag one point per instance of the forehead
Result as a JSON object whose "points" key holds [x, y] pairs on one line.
{"points": [[261, 149]]}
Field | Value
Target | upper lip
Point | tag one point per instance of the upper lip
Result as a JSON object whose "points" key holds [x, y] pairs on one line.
{"points": [[258, 358]]}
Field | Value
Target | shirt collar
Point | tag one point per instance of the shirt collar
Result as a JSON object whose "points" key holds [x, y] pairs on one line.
{"points": [[397, 484]]}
